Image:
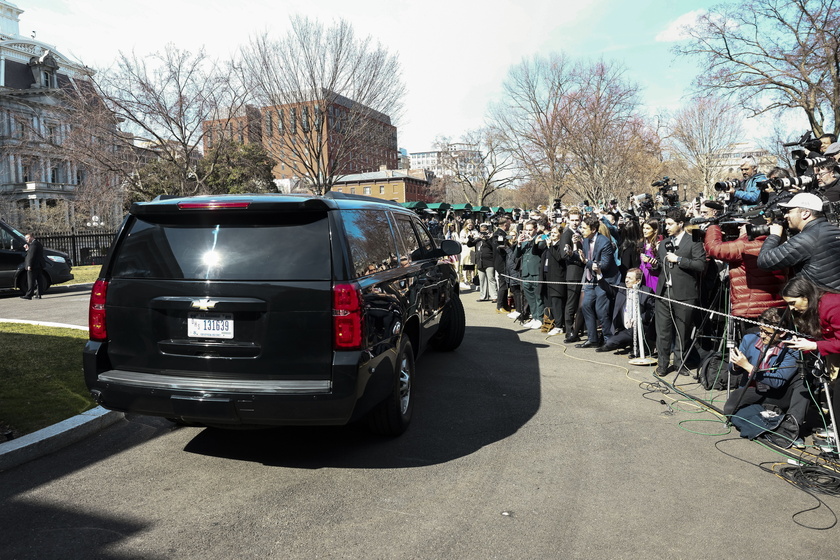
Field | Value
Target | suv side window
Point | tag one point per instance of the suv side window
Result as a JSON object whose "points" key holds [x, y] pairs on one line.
{"points": [[372, 244], [411, 244], [423, 235]]}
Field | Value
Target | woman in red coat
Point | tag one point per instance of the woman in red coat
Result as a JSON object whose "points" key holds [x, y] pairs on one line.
{"points": [[817, 315]]}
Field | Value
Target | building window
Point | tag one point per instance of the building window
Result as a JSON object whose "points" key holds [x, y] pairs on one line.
{"points": [[54, 175], [80, 176], [367, 190], [26, 174], [352, 190], [381, 189]]}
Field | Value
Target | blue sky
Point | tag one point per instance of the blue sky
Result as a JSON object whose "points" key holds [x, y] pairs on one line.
{"points": [[455, 54]]}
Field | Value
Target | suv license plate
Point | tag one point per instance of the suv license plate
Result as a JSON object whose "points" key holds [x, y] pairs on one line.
{"points": [[205, 325]]}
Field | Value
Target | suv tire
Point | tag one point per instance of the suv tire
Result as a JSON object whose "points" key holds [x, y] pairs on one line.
{"points": [[452, 327], [392, 416]]}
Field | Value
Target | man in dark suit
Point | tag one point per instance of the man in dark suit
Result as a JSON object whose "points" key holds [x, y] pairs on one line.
{"points": [[682, 261], [33, 263], [626, 311], [598, 254], [570, 240]]}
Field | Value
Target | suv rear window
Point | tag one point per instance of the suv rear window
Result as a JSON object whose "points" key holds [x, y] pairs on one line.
{"points": [[204, 246]]}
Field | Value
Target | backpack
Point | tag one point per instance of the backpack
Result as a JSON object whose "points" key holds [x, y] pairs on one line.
{"points": [[714, 373]]}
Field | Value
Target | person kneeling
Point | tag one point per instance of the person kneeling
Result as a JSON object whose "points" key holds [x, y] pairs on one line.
{"points": [[628, 303], [769, 375]]}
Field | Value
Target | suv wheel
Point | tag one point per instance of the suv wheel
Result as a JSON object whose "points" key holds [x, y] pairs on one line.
{"points": [[392, 416], [452, 327]]}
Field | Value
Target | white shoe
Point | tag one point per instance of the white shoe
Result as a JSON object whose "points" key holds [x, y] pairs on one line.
{"points": [[536, 324], [514, 314], [554, 331], [825, 433], [465, 286], [528, 324]]}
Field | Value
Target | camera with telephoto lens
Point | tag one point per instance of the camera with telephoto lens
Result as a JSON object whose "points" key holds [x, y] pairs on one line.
{"points": [[723, 186], [803, 182]]}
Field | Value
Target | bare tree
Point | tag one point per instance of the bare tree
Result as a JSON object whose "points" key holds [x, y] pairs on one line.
{"points": [[479, 165], [701, 131], [604, 133], [772, 55], [152, 109], [327, 97], [528, 120]]}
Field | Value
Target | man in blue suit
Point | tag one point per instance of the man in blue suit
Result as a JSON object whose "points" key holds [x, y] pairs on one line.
{"points": [[598, 255]]}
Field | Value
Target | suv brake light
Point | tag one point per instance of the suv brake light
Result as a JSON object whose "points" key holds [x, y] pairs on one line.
{"points": [[214, 205], [96, 312], [347, 317]]}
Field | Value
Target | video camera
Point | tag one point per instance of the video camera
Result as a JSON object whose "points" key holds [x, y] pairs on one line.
{"points": [[668, 190]]}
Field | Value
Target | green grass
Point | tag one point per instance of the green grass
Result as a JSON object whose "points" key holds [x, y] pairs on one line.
{"points": [[84, 274], [42, 377]]}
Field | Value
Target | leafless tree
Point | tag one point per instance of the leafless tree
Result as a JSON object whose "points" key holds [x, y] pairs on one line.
{"points": [[700, 133], [328, 97], [529, 120], [772, 55], [479, 165], [152, 109]]}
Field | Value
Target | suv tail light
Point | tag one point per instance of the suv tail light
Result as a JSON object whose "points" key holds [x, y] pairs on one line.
{"points": [[347, 317], [96, 311]]}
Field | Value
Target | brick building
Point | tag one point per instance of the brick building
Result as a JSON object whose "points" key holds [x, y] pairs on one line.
{"points": [[388, 184]]}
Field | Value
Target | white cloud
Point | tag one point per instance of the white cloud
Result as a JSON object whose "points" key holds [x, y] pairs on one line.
{"points": [[676, 30]]}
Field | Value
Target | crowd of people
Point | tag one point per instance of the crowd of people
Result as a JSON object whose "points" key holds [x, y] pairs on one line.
{"points": [[606, 279]]}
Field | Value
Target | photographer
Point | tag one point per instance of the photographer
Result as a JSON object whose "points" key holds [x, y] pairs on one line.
{"points": [[749, 195], [570, 240], [828, 179], [528, 250], [826, 140], [485, 249], [814, 251], [752, 289]]}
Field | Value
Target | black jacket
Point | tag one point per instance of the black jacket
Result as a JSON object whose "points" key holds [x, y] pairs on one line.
{"points": [[34, 256], [815, 250], [485, 249]]}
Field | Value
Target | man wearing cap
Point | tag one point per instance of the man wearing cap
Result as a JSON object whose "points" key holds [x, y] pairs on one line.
{"points": [[813, 252], [832, 151]]}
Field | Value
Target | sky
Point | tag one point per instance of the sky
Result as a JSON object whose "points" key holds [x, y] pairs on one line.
{"points": [[455, 54]]}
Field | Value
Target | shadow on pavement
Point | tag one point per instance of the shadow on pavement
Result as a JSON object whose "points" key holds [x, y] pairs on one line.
{"points": [[475, 396]]}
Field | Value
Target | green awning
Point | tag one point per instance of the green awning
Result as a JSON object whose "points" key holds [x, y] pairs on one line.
{"points": [[414, 204], [482, 209], [439, 206], [464, 206]]}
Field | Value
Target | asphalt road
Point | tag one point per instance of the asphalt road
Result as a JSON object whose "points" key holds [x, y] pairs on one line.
{"points": [[519, 448]]}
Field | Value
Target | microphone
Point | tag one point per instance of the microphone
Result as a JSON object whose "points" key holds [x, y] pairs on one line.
{"points": [[713, 204], [670, 248], [695, 221]]}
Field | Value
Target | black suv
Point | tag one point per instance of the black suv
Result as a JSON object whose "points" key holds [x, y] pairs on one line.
{"points": [[270, 310]]}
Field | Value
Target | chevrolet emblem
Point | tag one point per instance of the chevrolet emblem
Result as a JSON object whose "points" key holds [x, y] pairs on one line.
{"points": [[204, 304]]}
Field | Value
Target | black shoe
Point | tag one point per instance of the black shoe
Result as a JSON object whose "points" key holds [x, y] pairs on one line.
{"points": [[589, 344], [571, 338], [25, 297], [606, 348], [480, 300], [687, 372], [632, 356], [660, 372]]}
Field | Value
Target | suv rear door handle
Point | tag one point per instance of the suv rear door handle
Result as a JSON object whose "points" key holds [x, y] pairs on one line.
{"points": [[208, 303]]}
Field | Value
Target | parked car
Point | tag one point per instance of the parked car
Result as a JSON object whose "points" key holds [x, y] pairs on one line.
{"points": [[57, 265], [270, 310]]}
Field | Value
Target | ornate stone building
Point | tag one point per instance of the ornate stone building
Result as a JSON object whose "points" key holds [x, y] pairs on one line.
{"points": [[35, 172]]}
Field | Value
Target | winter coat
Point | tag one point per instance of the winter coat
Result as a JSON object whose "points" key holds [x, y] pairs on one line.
{"points": [[816, 249], [751, 289]]}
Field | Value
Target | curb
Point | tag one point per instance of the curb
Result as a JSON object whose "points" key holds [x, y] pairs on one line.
{"points": [[37, 444]]}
